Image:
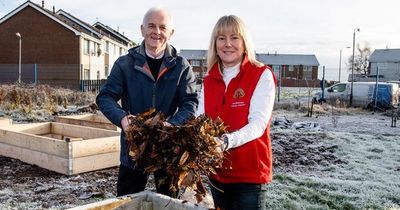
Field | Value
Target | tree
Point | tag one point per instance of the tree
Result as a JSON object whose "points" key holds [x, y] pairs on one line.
{"points": [[361, 59]]}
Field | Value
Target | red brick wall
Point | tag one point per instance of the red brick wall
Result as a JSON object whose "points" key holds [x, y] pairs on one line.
{"points": [[44, 41]]}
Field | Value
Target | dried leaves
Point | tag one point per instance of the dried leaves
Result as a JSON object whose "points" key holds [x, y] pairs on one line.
{"points": [[185, 152]]}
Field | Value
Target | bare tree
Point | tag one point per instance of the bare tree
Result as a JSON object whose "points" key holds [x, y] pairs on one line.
{"points": [[361, 59]]}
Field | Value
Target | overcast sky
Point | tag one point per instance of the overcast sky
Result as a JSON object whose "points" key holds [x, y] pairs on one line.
{"points": [[320, 27]]}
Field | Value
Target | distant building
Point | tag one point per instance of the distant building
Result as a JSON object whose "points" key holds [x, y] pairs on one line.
{"points": [[62, 48], [293, 70], [198, 60], [388, 62], [296, 70]]}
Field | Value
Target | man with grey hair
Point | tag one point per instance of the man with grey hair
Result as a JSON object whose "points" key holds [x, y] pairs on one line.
{"points": [[151, 75]]}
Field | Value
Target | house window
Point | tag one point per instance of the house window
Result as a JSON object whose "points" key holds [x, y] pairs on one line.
{"points": [[120, 51], [107, 47], [98, 75], [307, 72], [291, 68], [106, 70], [86, 46], [195, 63], [86, 74]]}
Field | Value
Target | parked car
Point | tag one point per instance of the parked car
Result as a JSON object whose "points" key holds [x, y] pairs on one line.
{"points": [[364, 94]]}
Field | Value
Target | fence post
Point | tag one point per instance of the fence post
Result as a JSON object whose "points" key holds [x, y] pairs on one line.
{"points": [[35, 73]]}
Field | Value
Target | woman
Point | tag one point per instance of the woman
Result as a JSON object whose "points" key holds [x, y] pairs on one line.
{"points": [[241, 91]]}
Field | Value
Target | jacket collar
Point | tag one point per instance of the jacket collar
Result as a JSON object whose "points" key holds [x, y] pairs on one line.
{"points": [[169, 59]]}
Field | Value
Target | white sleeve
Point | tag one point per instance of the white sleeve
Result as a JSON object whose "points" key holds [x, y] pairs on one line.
{"points": [[200, 106], [260, 111]]}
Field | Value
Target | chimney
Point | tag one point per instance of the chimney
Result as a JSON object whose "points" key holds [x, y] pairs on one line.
{"points": [[42, 3], [118, 29], [275, 53], [54, 10]]}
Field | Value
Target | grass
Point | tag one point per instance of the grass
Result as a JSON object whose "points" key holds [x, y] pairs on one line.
{"points": [[370, 180]]}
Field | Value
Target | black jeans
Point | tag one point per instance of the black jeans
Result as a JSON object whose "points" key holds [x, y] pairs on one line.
{"points": [[133, 181], [240, 196]]}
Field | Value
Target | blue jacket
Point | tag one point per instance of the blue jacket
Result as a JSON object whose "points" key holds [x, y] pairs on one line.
{"points": [[172, 93]]}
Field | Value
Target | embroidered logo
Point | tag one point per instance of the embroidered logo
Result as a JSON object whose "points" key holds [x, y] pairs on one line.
{"points": [[239, 93]]}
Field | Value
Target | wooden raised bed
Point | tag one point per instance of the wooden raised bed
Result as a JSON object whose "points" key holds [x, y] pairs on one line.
{"points": [[89, 120], [145, 200], [63, 148]]}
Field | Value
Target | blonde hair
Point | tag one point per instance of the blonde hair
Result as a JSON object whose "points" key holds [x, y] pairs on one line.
{"points": [[230, 23]]}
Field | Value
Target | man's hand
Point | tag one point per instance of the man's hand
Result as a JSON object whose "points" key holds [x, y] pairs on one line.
{"points": [[125, 122]]}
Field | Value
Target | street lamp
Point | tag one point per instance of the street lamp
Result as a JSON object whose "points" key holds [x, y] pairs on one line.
{"points": [[352, 66], [340, 61], [19, 66]]}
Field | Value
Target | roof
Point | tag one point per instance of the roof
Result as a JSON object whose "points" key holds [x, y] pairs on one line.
{"points": [[111, 32], [70, 22], [288, 59], [194, 54], [385, 55], [78, 24], [41, 10]]}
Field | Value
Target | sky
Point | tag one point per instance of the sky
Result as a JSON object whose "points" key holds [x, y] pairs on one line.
{"points": [[319, 27]]}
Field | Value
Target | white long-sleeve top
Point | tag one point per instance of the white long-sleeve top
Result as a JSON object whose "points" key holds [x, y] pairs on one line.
{"points": [[261, 105]]}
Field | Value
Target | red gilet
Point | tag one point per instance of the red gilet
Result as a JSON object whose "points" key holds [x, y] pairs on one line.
{"points": [[251, 162]]}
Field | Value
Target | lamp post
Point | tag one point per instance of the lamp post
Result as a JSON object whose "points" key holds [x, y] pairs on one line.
{"points": [[340, 62], [19, 63], [352, 66]]}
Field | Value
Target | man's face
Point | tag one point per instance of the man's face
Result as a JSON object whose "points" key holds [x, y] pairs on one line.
{"points": [[156, 31]]}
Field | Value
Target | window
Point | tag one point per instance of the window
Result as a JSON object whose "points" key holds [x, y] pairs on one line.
{"points": [[115, 49], [107, 47], [98, 75], [307, 72], [195, 62], [86, 46], [290, 68], [86, 74], [339, 88], [106, 70], [120, 51]]}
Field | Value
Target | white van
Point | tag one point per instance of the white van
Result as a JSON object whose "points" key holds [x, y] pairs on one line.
{"points": [[363, 94]]}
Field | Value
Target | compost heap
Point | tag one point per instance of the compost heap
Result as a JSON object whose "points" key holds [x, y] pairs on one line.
{"points": [[186, 152]]}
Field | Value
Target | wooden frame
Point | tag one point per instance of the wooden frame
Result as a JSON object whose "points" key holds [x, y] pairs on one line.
{"points": [[90, 120], [63, 148]]}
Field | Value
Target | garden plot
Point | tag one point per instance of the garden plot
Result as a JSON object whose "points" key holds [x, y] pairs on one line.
{"points": [[63, 148]]}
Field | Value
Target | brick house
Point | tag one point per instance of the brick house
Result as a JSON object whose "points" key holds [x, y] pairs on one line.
{"points": [[296, 70], [198, 60], [61, 49], [293, 70]]}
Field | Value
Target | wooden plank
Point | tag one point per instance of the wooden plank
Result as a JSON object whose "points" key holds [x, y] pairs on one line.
{"points": [[89, 120], [95, 146], [81, 131], [35, 143], [5, 121], [95, 162], [43, 160], [21, 127], [39, 129]]}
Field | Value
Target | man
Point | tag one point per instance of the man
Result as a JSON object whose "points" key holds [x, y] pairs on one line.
{"points": [[151, 75]]}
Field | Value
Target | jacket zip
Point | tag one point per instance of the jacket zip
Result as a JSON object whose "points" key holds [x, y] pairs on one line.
{"points": [[154, 94]]}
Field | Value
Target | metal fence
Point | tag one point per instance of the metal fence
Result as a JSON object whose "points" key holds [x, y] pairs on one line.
{"points": [[72, 76]]}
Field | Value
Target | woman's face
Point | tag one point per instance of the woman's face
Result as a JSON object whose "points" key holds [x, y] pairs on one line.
{"points": [[230, 48]]}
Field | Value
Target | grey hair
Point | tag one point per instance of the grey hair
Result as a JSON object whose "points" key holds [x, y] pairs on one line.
{"points": [[157, 9]]}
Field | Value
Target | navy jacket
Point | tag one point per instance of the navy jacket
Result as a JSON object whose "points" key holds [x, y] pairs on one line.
{"points": [[173, 92]]}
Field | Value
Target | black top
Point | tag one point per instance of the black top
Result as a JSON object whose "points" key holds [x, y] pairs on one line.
{"points": [[154, 65]]}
